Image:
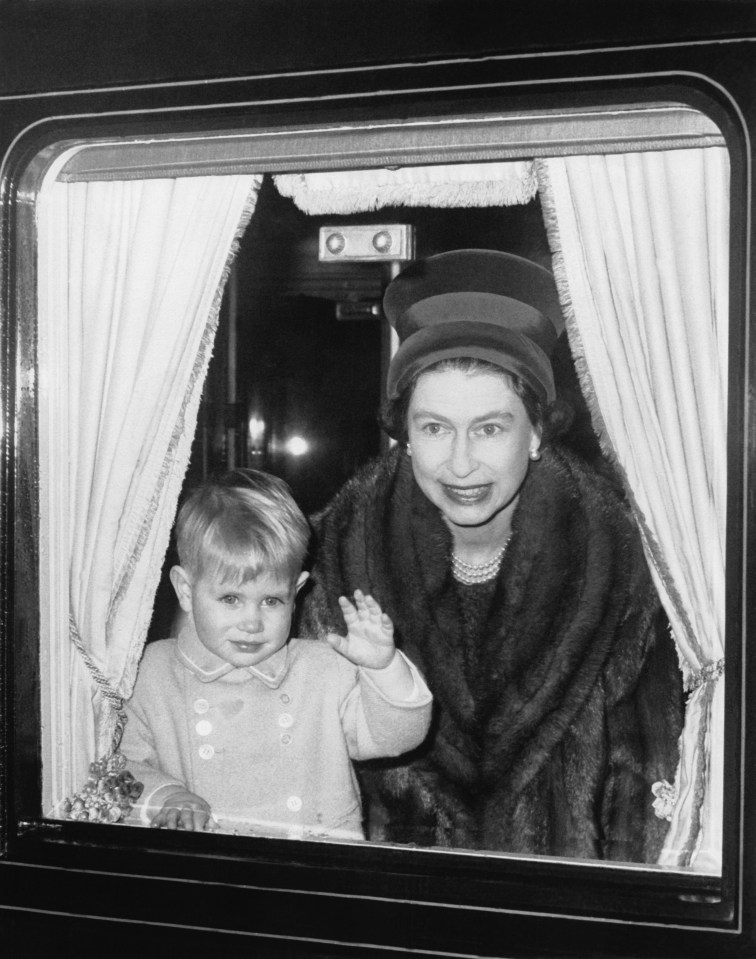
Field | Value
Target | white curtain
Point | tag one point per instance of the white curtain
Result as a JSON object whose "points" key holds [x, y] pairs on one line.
{"points": [[640, 244], [442, 185], [133, 272]]}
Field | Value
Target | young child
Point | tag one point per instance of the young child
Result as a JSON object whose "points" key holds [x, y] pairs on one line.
{"points": [[233, 720]]}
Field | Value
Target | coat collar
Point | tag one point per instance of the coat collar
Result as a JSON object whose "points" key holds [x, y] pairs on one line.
{"points": [[208, 667], [573, 588]]}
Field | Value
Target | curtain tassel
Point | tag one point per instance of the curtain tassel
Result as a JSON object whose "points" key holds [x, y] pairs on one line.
{"points": [[708, 673], [110, 790]]}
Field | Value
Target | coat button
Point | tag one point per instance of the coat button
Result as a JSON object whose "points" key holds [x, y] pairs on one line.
{"points": [[294, 803], [204, 727], [286, 739], [285, 720], [285, 698], [206, 751], [201, 706]]}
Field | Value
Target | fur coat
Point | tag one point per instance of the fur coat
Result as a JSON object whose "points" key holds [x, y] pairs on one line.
{"points": [[557, 692]]}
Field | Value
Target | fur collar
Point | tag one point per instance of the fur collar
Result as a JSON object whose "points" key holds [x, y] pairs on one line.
{"points": [[571, 576], [531, 705]]}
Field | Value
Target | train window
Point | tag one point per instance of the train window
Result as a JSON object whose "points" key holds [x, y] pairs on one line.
{"points": [[180, 320]]}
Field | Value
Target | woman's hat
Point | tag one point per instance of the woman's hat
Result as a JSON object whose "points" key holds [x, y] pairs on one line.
{"points": [[484, 304]]}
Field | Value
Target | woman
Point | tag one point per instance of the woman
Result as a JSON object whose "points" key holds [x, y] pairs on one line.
{"points": [[516, 580]]}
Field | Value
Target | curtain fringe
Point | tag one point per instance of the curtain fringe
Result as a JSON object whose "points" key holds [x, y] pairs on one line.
{"points": [[365, 190], [117, 717], [199, 369], [553, 235], [653, 550], [686, 845], [687, 820]]}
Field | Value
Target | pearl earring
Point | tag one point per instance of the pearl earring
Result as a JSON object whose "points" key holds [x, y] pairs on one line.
{"points": [[535, 454], [409, 450]]}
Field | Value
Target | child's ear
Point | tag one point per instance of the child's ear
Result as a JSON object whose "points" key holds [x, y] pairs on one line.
{"points": [[303, 577], [183, 586]]}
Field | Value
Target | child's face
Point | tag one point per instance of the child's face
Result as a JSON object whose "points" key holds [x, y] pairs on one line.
{"points": [[242, 623]]}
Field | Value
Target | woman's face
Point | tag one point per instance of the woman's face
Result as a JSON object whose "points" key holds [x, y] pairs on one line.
{"points": [[470, 438]]}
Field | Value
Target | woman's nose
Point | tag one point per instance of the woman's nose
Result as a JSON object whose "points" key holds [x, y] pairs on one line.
{"points": [[461, 461]]}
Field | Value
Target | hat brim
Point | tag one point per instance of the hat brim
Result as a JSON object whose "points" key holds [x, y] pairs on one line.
{"points": [[513, 352]]}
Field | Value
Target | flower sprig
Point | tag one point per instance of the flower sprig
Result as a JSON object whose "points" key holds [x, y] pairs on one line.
{"points": [[108, 794]]}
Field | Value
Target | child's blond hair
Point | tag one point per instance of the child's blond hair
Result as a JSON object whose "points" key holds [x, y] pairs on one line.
{"points": [[239, 525]]}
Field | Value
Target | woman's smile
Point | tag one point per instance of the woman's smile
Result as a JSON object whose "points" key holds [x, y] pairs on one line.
{"points": [[467, 495]]}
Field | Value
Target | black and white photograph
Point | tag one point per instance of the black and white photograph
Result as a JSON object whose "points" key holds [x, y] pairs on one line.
{"points": [[377, 443]]}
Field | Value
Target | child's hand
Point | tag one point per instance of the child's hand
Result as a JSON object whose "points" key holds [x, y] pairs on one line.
{"points": [[183, 810], [370, 633]]}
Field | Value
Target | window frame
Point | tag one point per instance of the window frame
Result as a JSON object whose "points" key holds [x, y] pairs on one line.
{"points": [[442, 886]]}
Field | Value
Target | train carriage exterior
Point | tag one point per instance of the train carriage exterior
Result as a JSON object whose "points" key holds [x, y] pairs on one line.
{"points": [[125, 124]]}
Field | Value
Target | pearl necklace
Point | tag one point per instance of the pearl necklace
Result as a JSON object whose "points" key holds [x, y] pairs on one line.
{"points": [[471, 573]]}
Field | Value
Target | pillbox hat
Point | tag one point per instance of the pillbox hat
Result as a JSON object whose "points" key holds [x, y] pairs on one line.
{"points": [[484, 304]]}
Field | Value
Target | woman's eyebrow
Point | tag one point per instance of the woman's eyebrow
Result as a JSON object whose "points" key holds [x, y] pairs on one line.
{"points": [[507, 415], [430, 414]]}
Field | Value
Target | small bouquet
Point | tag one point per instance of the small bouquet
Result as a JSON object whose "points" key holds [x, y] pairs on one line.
{"points": [[108, 794]]}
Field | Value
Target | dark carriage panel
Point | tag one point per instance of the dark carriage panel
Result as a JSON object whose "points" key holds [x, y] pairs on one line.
{"points": [[348, 93]]}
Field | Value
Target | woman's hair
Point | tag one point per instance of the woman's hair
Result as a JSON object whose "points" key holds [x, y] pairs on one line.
{"points": [[551, 419], [241, 524]]}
